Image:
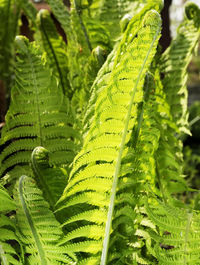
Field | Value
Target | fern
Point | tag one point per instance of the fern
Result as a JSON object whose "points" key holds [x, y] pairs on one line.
{"points": [[36, 117], [168, 157], [62, 14], [95, 62], [97, 167], [9, 13], [55, 49], [112, 13], [177, 235], [51, 180], [105, 198], [174, 64], [109, 13], [103, 76], [8, 253], [38, 229], [169, 154]]}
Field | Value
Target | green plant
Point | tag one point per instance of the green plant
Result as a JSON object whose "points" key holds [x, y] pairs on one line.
{"points": [[94, 173]]}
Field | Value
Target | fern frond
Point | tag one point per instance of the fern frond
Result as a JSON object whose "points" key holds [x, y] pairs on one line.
{"points": [[110, 13], [73, 50], [9, 14], [168, 157], [51, 180], [103, 76], [55, 48], [62, 14], [118, 103], [89, 31], [39, 231], [177, 236], [39, 114], [6, 203], [174, 64], [8, 253], [138, 171]]}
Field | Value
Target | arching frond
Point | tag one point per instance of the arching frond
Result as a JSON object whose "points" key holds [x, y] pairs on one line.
{"points": [[39, 115], [55, 48], [8, 252], [39, 231], [174, 64], [9, 14], [97, 167]]}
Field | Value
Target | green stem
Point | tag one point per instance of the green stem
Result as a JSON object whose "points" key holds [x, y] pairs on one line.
{"points": [[53, 53], [83, 26]]}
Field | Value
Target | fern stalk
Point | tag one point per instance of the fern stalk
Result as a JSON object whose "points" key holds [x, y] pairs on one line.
{"points": [[82, 25]]}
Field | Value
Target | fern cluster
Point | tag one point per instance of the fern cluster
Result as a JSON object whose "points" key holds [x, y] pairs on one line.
{"points": [[91, 165]]}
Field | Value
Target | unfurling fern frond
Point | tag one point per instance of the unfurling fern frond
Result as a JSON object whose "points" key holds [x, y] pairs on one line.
{"points": [[97, 168], [95, 62], [39, 115], [9, 14], [177, 235], [8, 253], [55, 48], [174, 64], [51, 180], [39, 231]]}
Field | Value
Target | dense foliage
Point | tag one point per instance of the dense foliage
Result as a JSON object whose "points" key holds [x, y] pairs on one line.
{"points": [[91, 162]]}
